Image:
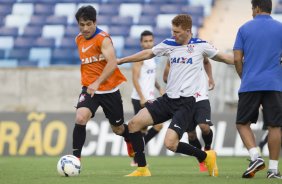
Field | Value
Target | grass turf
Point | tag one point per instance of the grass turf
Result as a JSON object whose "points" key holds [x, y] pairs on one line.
{"points": [[111, 170]]}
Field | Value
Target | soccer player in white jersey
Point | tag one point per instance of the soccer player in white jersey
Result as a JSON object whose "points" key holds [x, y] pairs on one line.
{"points": [[186, 56], [201, 111], [144, 82]]}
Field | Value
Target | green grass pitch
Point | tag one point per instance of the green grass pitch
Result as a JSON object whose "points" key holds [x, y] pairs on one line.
{"points": [[111, 170]]}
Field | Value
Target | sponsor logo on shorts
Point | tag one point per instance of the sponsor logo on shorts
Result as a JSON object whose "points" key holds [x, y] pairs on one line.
{"points": [[82, 98]]}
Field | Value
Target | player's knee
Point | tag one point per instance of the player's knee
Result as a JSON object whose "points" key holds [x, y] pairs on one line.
{"points": [[171, 144], [205, 128], [133, 126], [81, 119]]}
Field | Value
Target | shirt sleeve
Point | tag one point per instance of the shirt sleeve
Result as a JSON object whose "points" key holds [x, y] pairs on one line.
{"points": [[238, 45], [160, 50], [209, 50]]}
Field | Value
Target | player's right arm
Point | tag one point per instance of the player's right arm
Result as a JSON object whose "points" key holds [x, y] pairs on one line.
{"points": [[166, 71], [139, 56], [136, 69], [225, 58]]}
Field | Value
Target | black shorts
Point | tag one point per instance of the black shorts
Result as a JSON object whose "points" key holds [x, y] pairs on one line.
{"points": [[136, 105], [249, 103], [111, 104], [179, 110], [201, 115]]}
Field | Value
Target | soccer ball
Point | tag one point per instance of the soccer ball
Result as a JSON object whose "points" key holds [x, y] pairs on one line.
{"points": [[69, 165]]}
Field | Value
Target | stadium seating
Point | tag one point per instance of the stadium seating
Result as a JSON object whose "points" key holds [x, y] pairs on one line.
{"points": [[41, 32]]}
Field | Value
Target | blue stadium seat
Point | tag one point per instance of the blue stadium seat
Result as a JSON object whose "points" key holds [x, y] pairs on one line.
{"points": [[7, 42], [119, 31], [2, 54], [182, 2], [136, 30], [108, 9], [42, 55], [127, 52], [113, 1], [62, 56], [44, 9], [147, 20], [125, 1], [37, 20], [132, 43], [198, 21], [71, 31], [1, 21], [44, 42], [121, 21], [32, 31], [158, 40], [68, 43], [162, 32], [8, 2], [9, 31], [23, 43], [89, 1], [27, 63], [57, 20], [193, 10], [19, 54], [5, 9], [104, 19], [170, 9], [150, 9], [76, 59], [39, 1]]}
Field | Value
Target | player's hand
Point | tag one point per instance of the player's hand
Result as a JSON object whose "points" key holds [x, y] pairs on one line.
{"points": [[142, 102], [211, 84], [162, 91], [92, 88]]}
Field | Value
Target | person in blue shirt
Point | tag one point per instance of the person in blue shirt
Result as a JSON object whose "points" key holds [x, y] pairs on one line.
{"points": [[257, 57]]}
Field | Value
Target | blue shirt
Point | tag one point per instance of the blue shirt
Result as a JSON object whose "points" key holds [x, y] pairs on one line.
{"points": [[260, 40]]}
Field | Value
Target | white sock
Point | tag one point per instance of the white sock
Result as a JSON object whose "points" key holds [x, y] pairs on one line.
{"points": [[273, 165], [254, 153]]}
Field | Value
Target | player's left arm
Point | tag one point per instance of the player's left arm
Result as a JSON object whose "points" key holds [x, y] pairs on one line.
{"points": [[159, 88], [109, 54], [238, 60], [208, 69]]}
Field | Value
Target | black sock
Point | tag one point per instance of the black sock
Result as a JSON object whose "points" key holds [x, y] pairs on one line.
{"points": [[196, 143], [125, 134], [187, 149], [150, 134], [138, 146], [78, 137], [208, 140]]}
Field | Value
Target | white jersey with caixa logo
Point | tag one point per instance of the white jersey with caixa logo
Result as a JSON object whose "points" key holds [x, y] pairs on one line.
{"points": [[203, 91], [186, 65], [146, 80]]}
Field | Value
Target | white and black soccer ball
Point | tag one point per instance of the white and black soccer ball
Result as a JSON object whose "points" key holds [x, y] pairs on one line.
{"points": [[69, 165]]}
